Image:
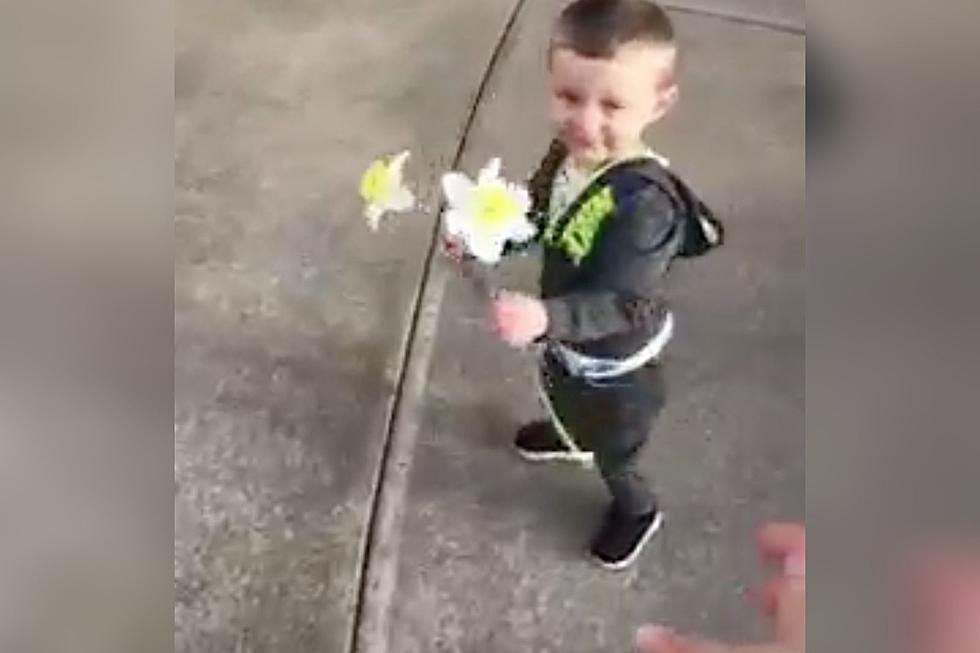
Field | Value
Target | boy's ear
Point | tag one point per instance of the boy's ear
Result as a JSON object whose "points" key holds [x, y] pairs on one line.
{"points": [[666, 99]]}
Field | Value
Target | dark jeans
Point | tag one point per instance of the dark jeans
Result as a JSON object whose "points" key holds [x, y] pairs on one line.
{"points": [[612, 418]]}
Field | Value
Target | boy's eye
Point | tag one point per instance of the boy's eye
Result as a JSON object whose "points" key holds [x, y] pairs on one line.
{"points": [[569, 96], [612, 105]]}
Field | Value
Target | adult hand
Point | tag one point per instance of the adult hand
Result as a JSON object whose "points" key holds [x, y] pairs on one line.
{"points": [[782, 599], [942, 602]]}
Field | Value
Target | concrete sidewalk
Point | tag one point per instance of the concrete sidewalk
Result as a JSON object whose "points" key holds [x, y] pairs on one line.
{"points": [[327, 427], [491, 554], [291, 317]]}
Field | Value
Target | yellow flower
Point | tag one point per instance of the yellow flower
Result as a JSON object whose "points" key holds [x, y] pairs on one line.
{"points": [[383, 190], [488, 213]]}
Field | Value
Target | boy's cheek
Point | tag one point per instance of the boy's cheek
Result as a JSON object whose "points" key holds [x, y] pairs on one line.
{"points": [[557, 114], [631, 127], [617, 137], [619, 132]]}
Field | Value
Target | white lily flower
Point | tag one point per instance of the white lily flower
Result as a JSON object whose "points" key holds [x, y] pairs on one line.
{"points": [[383, 190], [486, 214]]}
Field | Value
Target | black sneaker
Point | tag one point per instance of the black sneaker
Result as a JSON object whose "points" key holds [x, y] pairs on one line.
{"points": [[622, 537], [539, 442]]}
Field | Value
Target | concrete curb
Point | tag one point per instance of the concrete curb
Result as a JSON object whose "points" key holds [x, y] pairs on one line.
{"points": [[378, 580]]}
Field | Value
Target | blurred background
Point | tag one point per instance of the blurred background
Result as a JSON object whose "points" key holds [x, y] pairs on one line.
{"points": [[330, 385]]}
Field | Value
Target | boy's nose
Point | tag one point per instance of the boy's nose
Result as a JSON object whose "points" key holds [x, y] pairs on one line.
{"points": [[586, 125]]}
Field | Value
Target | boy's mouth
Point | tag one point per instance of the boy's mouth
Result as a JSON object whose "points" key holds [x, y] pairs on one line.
{"points": [[579, 143], [582, 149]]}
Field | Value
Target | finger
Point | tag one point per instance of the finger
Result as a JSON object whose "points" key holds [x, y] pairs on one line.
{"points": [[494, 318], [778, 540], [942, 602], [657, 639], [505, 329], [451, 248], [782, 538], [503, 319], [767, 596], [501, 302], [501, 328], [790, 615], [500, 310]]}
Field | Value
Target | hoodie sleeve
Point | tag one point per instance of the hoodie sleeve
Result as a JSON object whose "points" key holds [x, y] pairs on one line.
{"points": [[703, 231], [625, 292]]}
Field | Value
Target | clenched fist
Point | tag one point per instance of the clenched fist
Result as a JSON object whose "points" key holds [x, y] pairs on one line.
{"points": [[518, 319]]}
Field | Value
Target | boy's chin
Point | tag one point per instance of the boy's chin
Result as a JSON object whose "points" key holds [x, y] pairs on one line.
{"points": [[586, 158]]}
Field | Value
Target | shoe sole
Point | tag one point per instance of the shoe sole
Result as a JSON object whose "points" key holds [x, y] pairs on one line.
{"points": [[635, 553], [586, 459]]}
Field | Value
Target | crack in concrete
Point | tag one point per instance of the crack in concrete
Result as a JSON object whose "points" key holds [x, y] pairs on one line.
{"points": [[732, 17], [376, 578]]}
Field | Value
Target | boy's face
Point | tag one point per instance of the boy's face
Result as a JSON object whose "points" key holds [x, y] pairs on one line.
{"points": [[600, 107]]}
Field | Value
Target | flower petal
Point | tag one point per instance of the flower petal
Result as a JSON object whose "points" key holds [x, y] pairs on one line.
{"points": [[401, 200], [456, 223], [486, 249], [521, 196], [373, 213], [398, 161], [457, 188], [522, 231], [396, 167], [490, 172]]}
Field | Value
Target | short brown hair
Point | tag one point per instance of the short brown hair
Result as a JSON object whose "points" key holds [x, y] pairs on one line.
{"points": [[598, 28]]}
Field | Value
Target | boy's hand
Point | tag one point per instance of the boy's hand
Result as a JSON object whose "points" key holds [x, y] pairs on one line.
{"points": [[518, 319], [453, 248]]}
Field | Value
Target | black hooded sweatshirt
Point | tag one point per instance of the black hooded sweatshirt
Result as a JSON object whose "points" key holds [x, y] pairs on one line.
{"points": [[606, 259]]}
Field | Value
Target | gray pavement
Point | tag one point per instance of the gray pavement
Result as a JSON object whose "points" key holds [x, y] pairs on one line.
{"points": [[290, 315], [294, 336], [785, 14]]}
